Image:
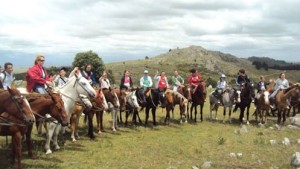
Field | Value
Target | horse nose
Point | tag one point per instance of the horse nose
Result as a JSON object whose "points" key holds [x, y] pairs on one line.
{"points": [[29, 120], [65, 123]]}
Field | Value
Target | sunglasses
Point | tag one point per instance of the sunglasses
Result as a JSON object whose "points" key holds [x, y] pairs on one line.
{"points": [[42, 60]]}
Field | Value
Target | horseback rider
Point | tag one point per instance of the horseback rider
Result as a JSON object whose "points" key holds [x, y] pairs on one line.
{"points": [[241, 79], [104, 81], [145, 84], [260, 87], [126, 81], [195, 80], [7, 76], [177, 81], [88, 74], [161, 81], [221, 85], [280, 83]]}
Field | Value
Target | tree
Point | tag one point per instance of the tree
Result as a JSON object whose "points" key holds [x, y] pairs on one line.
{"points": [[84, 58], [146, 57]]}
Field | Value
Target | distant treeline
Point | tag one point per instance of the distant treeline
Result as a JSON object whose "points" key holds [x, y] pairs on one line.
{"points": [[266, 63]]}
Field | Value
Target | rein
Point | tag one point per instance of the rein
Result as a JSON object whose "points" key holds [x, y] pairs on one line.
{"points": [[8, 123]]}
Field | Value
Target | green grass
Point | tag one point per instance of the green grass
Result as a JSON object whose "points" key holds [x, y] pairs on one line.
{"points": [[172, 146]]}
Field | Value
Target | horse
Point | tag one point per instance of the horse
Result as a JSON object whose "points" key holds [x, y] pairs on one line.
{"points": [[15, 116], [122, 99], [132, 105], [262, 106], [295, 104], [71, 91], [172, 99], [113, 107], [185, 90], [99, 104], [52, 104], [281, 101], [228, 98], [198, 98], [156, 97], [247, 94]]}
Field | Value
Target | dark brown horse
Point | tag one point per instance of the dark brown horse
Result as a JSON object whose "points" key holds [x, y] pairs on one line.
{"points": [[282, 99], [99, 105], [122, 99], [15, 117], [186, 91], [198, 98], [113, 107]]}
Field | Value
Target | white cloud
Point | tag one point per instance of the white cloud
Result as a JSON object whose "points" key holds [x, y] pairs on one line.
{"points": [[137, 28]]}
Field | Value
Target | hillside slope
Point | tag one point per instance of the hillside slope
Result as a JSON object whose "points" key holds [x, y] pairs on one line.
{"points": [[209, 63]]}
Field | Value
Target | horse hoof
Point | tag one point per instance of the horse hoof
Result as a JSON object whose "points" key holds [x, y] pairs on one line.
{"points": [[74, 140], [57, 148], [114, 130], [248, 123], [48, 152]]}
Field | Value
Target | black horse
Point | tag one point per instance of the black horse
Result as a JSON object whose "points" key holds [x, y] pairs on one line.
{"points": [[154, 98], [142, 102], [198, 98], [247, 95]]}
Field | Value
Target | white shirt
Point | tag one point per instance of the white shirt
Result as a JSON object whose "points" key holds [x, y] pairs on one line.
{"points": [[283, 84], [221, 85], [8, 79]]}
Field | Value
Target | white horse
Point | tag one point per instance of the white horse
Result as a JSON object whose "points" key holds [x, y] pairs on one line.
{"points": [[131, 100], [71, 92]]}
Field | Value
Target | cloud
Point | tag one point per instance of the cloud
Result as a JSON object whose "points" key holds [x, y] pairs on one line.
{"points": [[133, 29]]}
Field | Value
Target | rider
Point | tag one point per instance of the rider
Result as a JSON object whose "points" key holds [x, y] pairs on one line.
{"points": [[242, 78], [195, 80], [261, 86], [126, 81], [88, 74], [177, 81], [162, 81], [280, 83], [7, 76], [146, 83], [104, 81], [221, 85], [62, 79]]}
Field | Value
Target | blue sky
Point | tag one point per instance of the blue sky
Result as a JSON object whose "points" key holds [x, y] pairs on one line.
{"points": [[132, 29]]}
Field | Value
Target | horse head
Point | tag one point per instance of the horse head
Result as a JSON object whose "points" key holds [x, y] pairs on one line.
{"points": [[186, 92], [132, 99], [112, 97], [18, 106], [61, 114], [161, 98], [100, 100], [122, 99], [84, 86]]}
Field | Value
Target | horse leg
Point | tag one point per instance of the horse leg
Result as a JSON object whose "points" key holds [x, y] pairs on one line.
{"points": [[224, 114], [49, 135], [229, 114], [153, 116], [116, 118], [90, 126], [284, 115], [201, 112], [28, 141], [99, 117], [195, 118], [242, 114], [147, 116], [55, 136], [167, 118], [279, 116], [17, 149], [138, 116], [121, 120], [248, 107], [40, 127], [73, 124], [191, 112]]}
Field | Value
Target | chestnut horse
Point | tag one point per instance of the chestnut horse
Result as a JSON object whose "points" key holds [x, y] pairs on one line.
{"points": [[262, 106], [15, 116], [282, 99], [186, 92], [198, 98], [122, 99], [54, 105], [172, 99]]}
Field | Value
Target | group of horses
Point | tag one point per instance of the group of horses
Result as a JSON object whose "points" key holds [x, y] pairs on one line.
{"points": [[63, 106]]}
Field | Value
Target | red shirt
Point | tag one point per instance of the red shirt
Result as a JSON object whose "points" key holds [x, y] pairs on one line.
{"points": [[34, 76], [162, 83], [195, 80]]}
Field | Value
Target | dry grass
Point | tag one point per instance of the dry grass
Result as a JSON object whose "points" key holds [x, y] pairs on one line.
{"points": [[173, 146]]}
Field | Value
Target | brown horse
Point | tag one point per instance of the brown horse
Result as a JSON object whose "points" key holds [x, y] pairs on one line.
{"points": [[122, 99], [295, 104], [113, 106], [262, 106], [99, 105], [15, 117], [53, 104], [172, 99], [186, 92], [198, 98], [281, 101]]}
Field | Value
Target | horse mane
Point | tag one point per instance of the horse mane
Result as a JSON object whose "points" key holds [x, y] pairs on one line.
{"points": [[289, 89], [34, 96]]}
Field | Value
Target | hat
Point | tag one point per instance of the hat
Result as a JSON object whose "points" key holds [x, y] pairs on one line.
{"points": [[223, 75], [146, 71]]}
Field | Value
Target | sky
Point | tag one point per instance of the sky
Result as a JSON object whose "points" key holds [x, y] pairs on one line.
{"points": [[120, 30]]}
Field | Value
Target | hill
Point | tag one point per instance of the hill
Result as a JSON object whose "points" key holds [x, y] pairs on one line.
{"points": [[209, 63]]}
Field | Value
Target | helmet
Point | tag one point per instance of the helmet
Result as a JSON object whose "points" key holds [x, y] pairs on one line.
{"points": [[223, 76]]}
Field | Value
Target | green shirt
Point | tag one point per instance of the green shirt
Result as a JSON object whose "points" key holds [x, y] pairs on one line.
{"points": [[176, 80]]}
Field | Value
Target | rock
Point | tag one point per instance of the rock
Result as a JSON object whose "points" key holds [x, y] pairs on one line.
{"points": [[277, 127], [295, 120], [194, 167], [207, 164], [271, 128], [239, 155], [298, 141], [295, 162], [272, 142], [286, 141], [293, 127], [232, 155]]}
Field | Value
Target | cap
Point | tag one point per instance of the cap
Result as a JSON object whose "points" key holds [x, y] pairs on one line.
{"points": [[223, 75], [146, 71]]}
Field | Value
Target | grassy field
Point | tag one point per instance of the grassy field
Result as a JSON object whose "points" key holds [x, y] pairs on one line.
{"points": [[172, 146]]}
